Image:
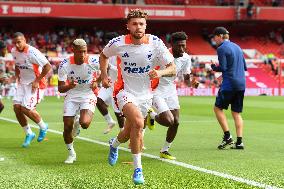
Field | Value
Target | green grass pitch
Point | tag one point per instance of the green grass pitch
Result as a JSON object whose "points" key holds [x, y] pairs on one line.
{"points": [[41, 165]]}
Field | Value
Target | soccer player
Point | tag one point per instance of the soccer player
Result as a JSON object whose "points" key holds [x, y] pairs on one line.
{"points": [[3, 52], [165, 101], [139, 54], [77, 78], [105, 96], [31, 68], [233, 66]]}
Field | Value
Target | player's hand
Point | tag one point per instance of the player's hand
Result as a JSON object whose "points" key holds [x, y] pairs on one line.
{"points": [[106, 81], [194, 83], [72, 84], [94, 85], [35, 85], [154, 74]]}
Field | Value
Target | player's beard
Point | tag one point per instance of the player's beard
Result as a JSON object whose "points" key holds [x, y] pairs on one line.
{"points": [[178, 53], [137, 35]]}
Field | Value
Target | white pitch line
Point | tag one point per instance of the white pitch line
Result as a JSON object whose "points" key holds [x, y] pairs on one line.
{"points": [[181, 164]]}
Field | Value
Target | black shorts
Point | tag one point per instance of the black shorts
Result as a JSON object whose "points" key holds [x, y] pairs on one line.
{"points": [[235, 98]]}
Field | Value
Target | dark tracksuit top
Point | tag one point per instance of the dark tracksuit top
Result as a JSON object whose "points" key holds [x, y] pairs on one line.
{"points": [[232, 65]]}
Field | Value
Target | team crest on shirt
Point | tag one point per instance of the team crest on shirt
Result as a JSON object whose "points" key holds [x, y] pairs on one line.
{"points": [[125, 55]]}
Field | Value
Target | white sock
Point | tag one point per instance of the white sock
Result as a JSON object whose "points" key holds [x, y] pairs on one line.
{"points": [[77, 122], [108, 118], [121, 129], [143, 132], [166, 146], [115, 143], [27, 130], [153, 114], [137, 160], [70, 148], [41, 124]]}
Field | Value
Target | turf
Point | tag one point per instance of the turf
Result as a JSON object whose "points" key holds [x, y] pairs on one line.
{"points": [[41, 165]]}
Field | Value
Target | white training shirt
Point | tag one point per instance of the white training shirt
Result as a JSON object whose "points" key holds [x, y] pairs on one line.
{"points": [[112, 72], [83, 75], [30, 63], [167, 86], [136, 61]]}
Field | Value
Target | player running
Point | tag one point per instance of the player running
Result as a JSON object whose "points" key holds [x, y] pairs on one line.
{"points": [[139, 54], [165, 101], [105, 96], [77, 78], [31, 69]]}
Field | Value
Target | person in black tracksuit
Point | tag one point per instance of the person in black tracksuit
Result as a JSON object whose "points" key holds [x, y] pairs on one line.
{"points": [[233, 66]]}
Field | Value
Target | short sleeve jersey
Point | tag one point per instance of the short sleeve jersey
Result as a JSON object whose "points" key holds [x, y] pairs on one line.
{"points": [[112, 72], [136, 62], [30, 63], [84, 75], [166, 86]]}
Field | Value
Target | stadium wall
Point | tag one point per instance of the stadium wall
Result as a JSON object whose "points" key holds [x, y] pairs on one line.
{"points": [[205, 13]]}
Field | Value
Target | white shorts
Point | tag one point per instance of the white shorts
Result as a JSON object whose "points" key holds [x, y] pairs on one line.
{"points": [[106, 94], [26, 98], [73, 106], [143, 104], [164, 104]]}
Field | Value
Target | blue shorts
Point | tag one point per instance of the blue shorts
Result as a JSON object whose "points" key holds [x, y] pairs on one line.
{"points": [[235, 98]]}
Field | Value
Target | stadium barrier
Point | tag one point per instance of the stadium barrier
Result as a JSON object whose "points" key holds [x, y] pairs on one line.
{"points": [[187, 91]]}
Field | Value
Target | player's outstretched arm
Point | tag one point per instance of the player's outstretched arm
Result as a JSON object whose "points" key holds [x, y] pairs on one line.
{"points": [[63, 87], [169, 71]]}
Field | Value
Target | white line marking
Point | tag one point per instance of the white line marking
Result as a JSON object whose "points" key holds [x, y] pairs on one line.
{"points": [[181, 164], [185, 121]]}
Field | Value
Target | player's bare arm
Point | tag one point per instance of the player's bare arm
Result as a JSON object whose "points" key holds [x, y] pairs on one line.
{"points": [[169, 71], [63, 87], [104, 69], [35, 84]]}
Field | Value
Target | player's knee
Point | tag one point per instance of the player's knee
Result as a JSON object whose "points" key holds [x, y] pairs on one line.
{"points": [[176, 123], [138, 123], [169, 120], [85, 124], [17, 108]]}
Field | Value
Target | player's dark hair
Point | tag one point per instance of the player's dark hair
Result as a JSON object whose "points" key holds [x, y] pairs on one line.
{"points": [[178, 36], [136, 13]]}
